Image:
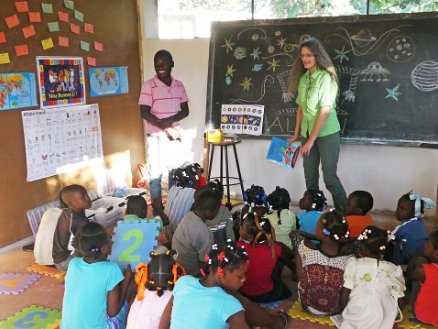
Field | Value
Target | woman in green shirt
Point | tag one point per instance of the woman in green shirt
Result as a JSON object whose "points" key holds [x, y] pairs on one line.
{"points": [[315, 82]]}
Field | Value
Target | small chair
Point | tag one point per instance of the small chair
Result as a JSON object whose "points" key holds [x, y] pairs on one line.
{"points": [[224, 147]]}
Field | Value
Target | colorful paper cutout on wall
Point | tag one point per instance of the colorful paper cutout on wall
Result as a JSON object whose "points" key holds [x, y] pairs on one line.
{"points": [[91, 61], [75, 29], [62, 139], [4, 58], [17, 90], [22, 50], [63, 41], [61, 81], [89, 28], [85, 46], [47, 43], [16, 283], [69, 4], [33, 317], [106, 81], [47, 8], [133, 241], [79, 16], [2, 37], [63, 16], [53, 26], [98, 46], [12, 21], [35, 17], [28, 31], [22, 6]]}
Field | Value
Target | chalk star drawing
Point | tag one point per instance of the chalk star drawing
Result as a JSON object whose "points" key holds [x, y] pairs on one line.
{"points": [[246, 83], [273, 64], [230, 70], [255, 53], [228, 44], [281, 42], [342, 54], [393, 92]]}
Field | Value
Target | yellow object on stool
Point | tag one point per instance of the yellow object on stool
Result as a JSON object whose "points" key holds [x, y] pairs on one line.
{"points": [[215, 136]]}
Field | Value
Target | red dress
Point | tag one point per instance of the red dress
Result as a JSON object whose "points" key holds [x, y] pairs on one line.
{"points": [[426, 305]]}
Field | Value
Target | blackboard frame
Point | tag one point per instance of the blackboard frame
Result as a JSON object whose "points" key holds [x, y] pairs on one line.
{"points": [[217, 43]]}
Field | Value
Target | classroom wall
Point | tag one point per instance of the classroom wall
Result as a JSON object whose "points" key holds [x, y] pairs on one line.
{"points": [[387, 172], [116, 26]]}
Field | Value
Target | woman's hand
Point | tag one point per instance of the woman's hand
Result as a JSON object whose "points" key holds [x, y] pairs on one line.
{"points": [[293, 138], [305, 149]]}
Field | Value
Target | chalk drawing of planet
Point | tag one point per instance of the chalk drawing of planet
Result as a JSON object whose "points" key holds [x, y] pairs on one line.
{"points": [[425, 76]]}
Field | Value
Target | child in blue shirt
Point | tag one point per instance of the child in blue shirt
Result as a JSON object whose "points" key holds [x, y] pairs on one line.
{"points": [[96, 290], [313, 202], [204, 303], [411, 235]]}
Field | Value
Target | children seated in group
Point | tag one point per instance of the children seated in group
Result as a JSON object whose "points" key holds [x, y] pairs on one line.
{"points": [[320, 267], [192, 239], [373, 288], [411, 235], [282, 219], [221, 226], [313, 202], [74, 200], [96, 291], [356, 211], [204, 302], [423, 274], [155, 282], [263, 284], [180, 197]]}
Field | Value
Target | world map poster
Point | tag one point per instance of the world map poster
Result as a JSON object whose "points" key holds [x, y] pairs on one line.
{"points": [[17, 90], [60, 140], [105, 81]]}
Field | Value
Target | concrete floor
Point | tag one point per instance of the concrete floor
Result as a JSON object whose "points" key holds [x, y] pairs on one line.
{"points": [[48, 291]]}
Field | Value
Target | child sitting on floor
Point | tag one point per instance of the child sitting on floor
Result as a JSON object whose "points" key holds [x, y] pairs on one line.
{"points": [[281, 218], [373, 288], [423, 272], [204, 303], [96, 291], [313, 202], [263, 284], [155, 284], [411, 235], [74, 200], [356, 211], [320, 267]]}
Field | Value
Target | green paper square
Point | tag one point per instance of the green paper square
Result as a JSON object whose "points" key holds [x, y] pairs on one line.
{"points": [[47, 8], [53, 26], [85, 45], [69, 4], [79, 16]]}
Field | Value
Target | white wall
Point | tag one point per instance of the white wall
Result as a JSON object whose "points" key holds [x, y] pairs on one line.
{"points": [[386, 172]]}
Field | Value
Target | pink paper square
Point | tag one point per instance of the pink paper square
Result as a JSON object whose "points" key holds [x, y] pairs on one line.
{"points": [[2, 37], [12, 21], [35, 17], [28, 31], [89, 28], [75, 28], [91, 61], [22, 6], [98, 46], [63, 16], [63, 41], [21, 50]]}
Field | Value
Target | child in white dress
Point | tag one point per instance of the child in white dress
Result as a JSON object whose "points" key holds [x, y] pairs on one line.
{"points": [[373, 288]]}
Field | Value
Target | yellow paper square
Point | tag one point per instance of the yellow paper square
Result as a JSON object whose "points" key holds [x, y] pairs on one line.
{"points": [[4, 58], [47, 43]]}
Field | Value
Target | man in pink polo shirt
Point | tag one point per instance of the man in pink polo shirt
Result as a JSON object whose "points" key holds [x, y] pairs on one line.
{"points": [[163, 102]]}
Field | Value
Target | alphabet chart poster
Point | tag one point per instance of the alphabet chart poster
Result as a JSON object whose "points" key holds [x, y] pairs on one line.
{"points": [[60, 140]]}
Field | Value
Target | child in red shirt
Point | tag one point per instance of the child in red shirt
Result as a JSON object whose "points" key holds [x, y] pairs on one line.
{"points": [[356, 211]]}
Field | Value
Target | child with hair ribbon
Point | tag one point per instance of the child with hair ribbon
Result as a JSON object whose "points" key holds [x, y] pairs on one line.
{"points": [[204, 303], [313, 202], [320, 267], [373, 288], [96, 291], [263, 283], [411, 235], [281, 218], [155, 282]]}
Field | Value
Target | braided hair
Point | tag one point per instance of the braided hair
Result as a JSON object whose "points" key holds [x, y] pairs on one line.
{"points": [[160, 274], [230, 257], [90, 240], [279, 200], [374, 241], [334, 225], [317, 198]]}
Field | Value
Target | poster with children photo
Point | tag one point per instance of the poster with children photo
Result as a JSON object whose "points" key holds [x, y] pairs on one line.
{"points": [[61, 81], [283, 153]]}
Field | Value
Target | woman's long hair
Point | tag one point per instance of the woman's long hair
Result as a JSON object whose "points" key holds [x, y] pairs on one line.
{"points": [[322, 60]]}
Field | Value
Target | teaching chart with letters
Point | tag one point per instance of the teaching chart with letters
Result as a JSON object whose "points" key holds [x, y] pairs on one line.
{"points": [[387, 67], [59, 140]]}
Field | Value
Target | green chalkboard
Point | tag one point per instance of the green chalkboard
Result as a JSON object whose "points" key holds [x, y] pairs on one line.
{"points": [[387, 67]]}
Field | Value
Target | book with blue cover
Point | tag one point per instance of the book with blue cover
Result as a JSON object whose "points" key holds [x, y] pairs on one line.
{"points": [[283, 153]]}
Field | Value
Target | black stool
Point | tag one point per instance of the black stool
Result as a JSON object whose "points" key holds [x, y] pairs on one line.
{"points": [[224, 146]]}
